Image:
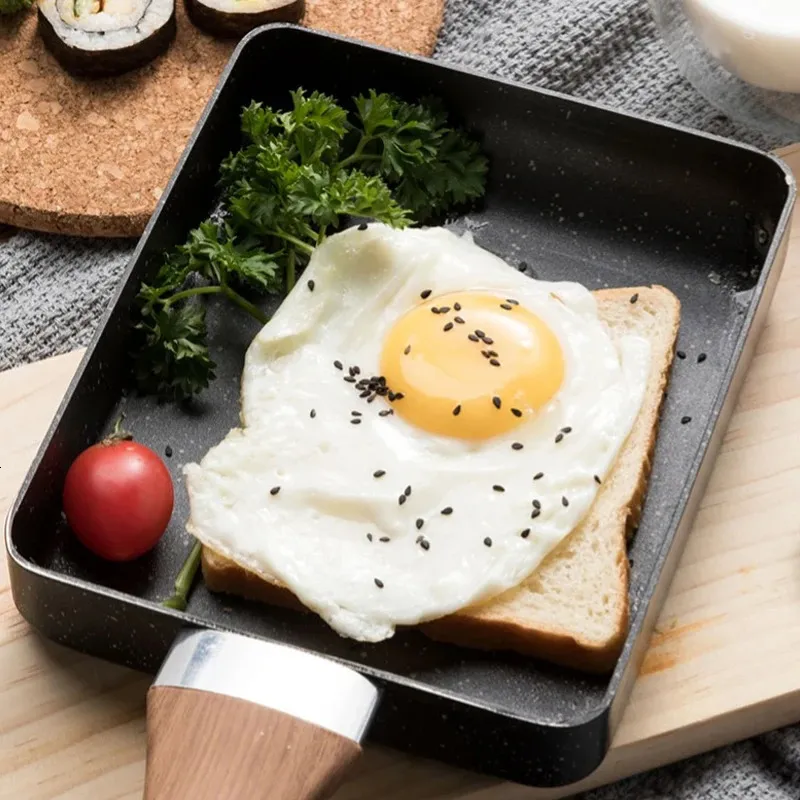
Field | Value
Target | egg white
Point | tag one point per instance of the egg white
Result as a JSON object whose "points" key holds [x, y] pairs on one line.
{"points": [[312, 535]]}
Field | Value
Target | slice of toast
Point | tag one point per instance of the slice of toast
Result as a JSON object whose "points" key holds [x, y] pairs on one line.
{"points": [[573, 610]]}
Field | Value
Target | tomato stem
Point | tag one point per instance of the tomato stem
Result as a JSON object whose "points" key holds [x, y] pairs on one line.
{"points": [[185, 579], [117, 434]]}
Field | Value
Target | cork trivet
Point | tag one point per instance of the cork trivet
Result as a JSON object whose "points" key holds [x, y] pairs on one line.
{"points": [[91, 158]]}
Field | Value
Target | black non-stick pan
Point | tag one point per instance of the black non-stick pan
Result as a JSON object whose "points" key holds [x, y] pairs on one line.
{"points": [[577, 191]]}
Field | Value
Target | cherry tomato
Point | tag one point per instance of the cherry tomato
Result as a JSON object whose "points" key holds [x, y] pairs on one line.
{"points": [[118, 498]]}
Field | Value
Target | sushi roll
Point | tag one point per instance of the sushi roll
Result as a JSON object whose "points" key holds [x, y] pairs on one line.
{"points": [[106, 37], [235, 18]]}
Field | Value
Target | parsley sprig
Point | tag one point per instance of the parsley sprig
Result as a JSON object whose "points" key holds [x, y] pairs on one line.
{"points": [[299, 176]]}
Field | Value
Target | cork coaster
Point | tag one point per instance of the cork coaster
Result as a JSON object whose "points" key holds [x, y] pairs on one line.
{"points": [[91, 158]]}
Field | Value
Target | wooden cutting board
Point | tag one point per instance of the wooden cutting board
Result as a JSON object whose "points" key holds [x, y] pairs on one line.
{"points": [[722, 663], [91, 157]]}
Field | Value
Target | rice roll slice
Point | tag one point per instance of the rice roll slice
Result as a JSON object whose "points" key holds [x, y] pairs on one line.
{"points": [[106, 37], [234, 18]]}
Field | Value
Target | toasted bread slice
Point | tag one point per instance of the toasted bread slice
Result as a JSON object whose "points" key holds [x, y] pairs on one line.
{"points": [[573, 610]]}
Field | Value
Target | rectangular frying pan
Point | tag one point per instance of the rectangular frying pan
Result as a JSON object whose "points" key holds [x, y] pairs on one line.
{"points": [[577, 191]]}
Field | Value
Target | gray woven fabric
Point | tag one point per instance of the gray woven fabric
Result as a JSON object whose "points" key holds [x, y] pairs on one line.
{"points": [[53, 289], [608, 51]]}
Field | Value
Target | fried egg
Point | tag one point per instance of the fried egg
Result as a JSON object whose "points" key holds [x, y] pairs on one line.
{"points": [[421, 425]]}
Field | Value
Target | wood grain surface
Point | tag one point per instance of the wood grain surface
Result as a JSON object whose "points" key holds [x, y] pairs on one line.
{"points": [[92, 157], [722, 663], [208, 746]]}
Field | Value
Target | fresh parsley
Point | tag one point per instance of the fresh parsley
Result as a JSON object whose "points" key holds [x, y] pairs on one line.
{"points": [[299, 176]]}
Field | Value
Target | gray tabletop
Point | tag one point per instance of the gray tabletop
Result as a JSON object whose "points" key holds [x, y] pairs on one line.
{"points": [[53, 289]]}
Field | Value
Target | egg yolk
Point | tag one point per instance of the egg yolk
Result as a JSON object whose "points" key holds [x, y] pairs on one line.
{"points": [[471, 365]]}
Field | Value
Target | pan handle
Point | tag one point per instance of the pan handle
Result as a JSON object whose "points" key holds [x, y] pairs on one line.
{"points": [[237, 718]]}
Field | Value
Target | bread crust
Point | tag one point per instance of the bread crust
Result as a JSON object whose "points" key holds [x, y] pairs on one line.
{"points": [[485, 627]]}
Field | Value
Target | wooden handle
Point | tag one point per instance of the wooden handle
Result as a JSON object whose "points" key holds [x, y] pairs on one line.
{"points": [[207, 746]]}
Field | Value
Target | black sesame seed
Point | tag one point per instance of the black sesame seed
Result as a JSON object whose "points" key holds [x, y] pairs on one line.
{"points": [[597, 480], [371, 398], [537, 504], [517, 446], [407, 350], [564, 502], [459, 320], [472, 337], [444, 309], [391, 395], [498, 488], [355, 421], [680, 354], [492, 352], [419, 523], [369, 537], [448, 327], [701, 358], [274, 490], [506, 306], [349, 379], [356, 414], [456, 411], [447, 511], [488, 340], [485, 353], [685, 420], [168, 451], [487, 541], [434, 310], [379, 583], [479, 333], [457, 306], [634, 297], [365, 393], [566, 430], [559, 437], [425, 294], [384, 539], [398, 395], [401, 499], [386, 412], [512, 301], [424, 543], [355, 370], [407, 491], [363, 226], [379, 473], [516, 412], [312, 413], [526, 533], [538, 475], [338, 365], [522, 266], [494, 362], [535, 513], [310, 285], [497, 402]]}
